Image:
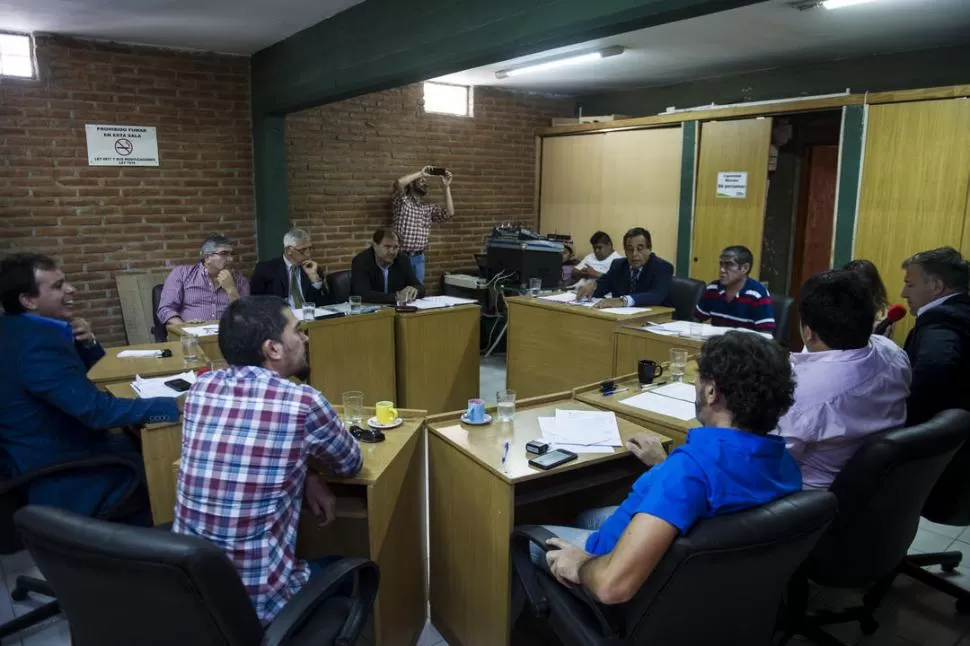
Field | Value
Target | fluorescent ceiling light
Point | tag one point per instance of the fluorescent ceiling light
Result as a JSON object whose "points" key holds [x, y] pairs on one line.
{"points": [[573, 59], [838, 4]]}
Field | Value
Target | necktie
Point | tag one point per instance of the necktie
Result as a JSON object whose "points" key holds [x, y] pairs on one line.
{"points": [[634, 275], [295, 291]]}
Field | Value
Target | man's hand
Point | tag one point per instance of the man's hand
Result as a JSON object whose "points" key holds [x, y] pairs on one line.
{"points": [[647, 447], [321, 500], [565, 560], [610, 302], [446, 179], [226, 281], [407, 294], [425, 172], [82, 331], [312, 271], [585, 291]]}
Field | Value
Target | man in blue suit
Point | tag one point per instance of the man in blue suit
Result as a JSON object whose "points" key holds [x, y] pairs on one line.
{"points": [[50, 412], [640, 279]]}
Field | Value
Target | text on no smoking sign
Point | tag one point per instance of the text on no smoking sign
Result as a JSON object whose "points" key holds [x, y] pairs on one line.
{"points": [[121, 145]]}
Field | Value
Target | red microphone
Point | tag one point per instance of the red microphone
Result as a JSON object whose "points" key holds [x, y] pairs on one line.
{"points": [[893, 314]]}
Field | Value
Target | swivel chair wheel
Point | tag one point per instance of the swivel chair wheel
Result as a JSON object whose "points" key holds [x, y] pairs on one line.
{"points": [[868, 626], [19, 594], [963, 606]]}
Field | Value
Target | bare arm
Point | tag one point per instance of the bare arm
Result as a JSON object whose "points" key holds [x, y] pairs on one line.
{"points": [[404, 180], [449, 203]]}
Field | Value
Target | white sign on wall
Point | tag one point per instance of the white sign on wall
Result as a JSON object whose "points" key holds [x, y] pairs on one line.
{"points": [[732, 184], [121, 145]]}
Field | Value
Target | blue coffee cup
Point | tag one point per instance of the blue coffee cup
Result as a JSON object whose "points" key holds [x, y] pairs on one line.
{"points": [[476, 411]]}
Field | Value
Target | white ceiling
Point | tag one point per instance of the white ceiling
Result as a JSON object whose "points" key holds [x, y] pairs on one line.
{"points": [[766, 35], [232, 26]]}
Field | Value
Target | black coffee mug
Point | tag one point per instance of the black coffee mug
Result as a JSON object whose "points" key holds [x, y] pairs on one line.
{"points": [[647, 371]]}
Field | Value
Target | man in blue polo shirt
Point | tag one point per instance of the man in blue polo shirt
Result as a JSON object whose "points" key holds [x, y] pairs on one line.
{"points": [[736, 299], [729, 464]]}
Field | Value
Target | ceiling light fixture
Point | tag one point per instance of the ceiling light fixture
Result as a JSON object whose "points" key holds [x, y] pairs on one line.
{"points": [[572, 59]]}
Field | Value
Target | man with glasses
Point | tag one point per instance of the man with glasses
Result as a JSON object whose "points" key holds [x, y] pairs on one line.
{"points": [[295, 277], [736, 299], [202, 291]]}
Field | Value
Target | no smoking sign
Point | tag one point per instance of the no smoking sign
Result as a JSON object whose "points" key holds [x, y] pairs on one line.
{"points": [[122, 145]]}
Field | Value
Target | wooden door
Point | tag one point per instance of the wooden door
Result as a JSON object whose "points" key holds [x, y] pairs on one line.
{"points": [[915, 176], [740, 146], [571, 191]]}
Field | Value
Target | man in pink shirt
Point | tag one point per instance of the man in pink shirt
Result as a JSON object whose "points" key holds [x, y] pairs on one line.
{"points": [[849, 382], [203, 290]]}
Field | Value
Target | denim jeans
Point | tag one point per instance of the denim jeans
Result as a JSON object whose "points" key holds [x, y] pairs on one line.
{"points": [[417, 264], [587, 523]]}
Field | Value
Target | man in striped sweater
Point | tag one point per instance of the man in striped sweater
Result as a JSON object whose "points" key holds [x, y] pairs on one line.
{"points": [[736, 299]]}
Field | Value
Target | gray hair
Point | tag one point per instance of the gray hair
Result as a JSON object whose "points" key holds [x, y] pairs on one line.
{"points": [[212, 243], [945, 264], [295, 236]]}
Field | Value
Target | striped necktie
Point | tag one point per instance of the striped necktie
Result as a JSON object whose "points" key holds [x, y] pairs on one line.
{"points": [[295, 290], [634, 276]]}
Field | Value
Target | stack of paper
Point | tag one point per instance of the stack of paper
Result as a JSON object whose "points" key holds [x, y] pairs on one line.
{"points": [[695, 330], [318, 313], [626, 310], [435, 302], [672, 403], [202, 330], [581, 431], [156, 387], [140, 354], [568, 297]]}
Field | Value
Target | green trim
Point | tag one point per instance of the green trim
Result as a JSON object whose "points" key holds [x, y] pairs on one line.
{"points": [[269, 177], [850, 169], [686, 213]]}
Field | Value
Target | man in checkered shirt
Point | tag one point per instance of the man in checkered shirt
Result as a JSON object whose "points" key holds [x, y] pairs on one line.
{"points": [[413, 218], [246, 437]]}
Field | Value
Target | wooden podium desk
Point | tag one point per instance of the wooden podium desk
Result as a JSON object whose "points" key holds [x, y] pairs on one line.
{"points": [[474, 503], [633, 343], [111, 369], [556, 346], [437, 358]]}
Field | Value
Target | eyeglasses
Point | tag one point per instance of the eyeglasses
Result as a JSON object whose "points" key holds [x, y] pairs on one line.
{"points": [[304, 250], [224, 254], [369, 435]]}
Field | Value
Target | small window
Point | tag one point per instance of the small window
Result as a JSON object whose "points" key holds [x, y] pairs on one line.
{"points": [[16, 57], [443, 98]]}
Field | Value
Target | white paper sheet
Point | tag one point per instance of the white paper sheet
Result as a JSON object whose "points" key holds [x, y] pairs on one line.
{"points": [[547, 425], [155, 387], [319, 312], [568, 297], [655, 403], [140, 354], [678, 390], [701, 330], [435, 302], [583, 448], [626, 310], [581, 427], [202, 330]]}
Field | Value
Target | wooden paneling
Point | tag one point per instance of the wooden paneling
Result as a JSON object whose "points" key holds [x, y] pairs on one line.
{"points": [[571, 191], [730, 146], [353, 353], [633, 343], [914, 185]]}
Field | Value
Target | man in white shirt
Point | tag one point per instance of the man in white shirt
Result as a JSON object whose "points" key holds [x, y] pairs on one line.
{"points": [[597, 263]]}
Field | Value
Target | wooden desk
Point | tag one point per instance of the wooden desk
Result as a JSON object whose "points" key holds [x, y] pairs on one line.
{"points": [[353, 353], [475, 503], [633, 343], [111, 369], [437, 358], [556, 346], [208, 344], [671, 427]]}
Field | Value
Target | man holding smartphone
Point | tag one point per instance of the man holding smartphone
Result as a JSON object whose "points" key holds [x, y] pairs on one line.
{"points": [[413, 217]]}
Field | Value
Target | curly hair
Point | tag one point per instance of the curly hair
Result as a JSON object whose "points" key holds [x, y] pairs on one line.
{"points": [[754, 376]]}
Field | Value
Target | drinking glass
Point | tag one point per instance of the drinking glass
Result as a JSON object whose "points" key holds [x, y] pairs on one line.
{"points": [[309, 311], [678, 363], [535, 286], [190, 349], [506, 405], [354, 305], [353, 407], [694, 330]]}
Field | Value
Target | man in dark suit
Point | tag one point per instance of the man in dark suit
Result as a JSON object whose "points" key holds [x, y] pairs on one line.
{"points": [[49, 411], [935, 287], [380, 275], [640, 279], [295, 277]]}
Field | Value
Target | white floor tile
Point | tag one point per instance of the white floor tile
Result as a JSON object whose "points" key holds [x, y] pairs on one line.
{"points": [[952, 531], [431, 637], [53, 632], [926, 541]]}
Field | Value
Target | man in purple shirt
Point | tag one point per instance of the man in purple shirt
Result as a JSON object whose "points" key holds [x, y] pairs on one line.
{"points": [[202, 291], [850, 382]]}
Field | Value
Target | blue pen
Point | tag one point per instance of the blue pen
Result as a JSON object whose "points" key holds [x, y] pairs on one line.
{"points": [[614, 391], [505, 452]]}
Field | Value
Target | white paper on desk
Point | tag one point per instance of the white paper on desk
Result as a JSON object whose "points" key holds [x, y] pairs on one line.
{"points": [[678, 390], [568, 297], [155, 387], [202, 330], [547, 426], [701, 330], [583, 448], [668, 406], [319, 312], [581, 427], [626, 310], [435, 302], [140, 354]]}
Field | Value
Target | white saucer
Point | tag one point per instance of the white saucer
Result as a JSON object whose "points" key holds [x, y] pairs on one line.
{"points": [[373, 423], [487, 420]]}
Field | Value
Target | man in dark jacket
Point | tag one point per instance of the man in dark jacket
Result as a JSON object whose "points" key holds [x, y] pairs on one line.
{"points": [[379, 274], [295, 277], [642, 278], [939, 346]]}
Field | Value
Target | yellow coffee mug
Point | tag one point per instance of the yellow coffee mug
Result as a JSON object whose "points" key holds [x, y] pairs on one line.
{"points": [[386, 413]]}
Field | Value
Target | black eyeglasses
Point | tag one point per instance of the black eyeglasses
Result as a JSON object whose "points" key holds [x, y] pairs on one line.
{"points": [[224, 254], [369, 435]]}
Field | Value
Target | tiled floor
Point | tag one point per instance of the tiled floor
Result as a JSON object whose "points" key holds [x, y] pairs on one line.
{"points": [[491, 377]]}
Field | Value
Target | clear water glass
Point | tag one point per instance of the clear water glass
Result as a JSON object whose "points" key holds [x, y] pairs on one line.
{"points": [[678, 363], [218, 364], [354, 305], [535, 286], [353, 407], [309, 311], [506, 405], [190, 348], [694, 330]]}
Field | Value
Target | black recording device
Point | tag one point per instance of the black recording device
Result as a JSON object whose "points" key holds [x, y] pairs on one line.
{"points": [[178, 385], [166, 353], [552, 459], [537, 446], [368, 435], [437, 170]]}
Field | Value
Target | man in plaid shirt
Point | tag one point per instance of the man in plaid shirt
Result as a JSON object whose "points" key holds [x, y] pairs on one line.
{"points": [[413, 218], [247, 434]]}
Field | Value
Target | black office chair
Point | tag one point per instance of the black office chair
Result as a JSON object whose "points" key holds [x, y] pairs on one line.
{"points": [[122, 585], [685, 294], [13, 497], [159, 331], [881, 491], [781, 305], [338, 284], [738, 564]]}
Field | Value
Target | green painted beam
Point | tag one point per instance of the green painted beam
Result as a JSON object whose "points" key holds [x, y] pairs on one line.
{"points": [[380, 44], [850, 170], [269, 177], [688, 168]]}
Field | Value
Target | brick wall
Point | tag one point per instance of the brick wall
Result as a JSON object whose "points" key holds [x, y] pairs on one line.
{"points": [[103, 220], [344, 157]]}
